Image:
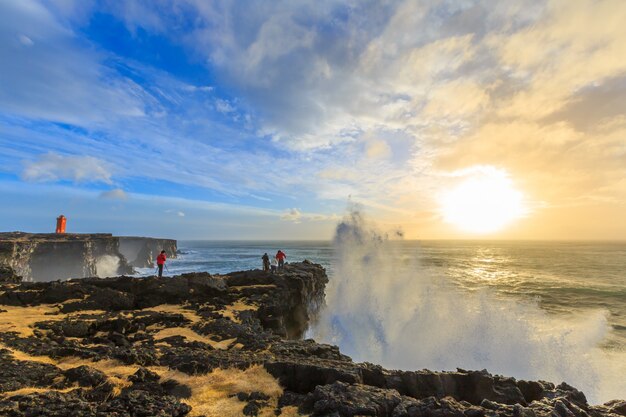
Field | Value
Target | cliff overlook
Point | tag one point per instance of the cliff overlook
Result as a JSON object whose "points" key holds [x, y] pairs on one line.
{"points": [[223, 345]]}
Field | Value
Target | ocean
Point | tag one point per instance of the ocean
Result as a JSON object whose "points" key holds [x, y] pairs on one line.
{"points": [[564, 277], [531, 309]]}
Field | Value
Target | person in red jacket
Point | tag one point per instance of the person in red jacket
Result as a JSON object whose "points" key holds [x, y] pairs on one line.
{"points": [[280, 257], [161, 262]]}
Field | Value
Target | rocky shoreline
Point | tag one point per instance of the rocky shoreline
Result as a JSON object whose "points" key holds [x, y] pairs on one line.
{"points": [[223, 345]]}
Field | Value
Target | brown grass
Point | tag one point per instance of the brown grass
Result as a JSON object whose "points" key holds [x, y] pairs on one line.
{"points": [[176, 309], [116, 371], [23, 356], [22, 319], [232, 311], [211, 394], [290, 411], [192, 336], [243, 287], [33, 390]]}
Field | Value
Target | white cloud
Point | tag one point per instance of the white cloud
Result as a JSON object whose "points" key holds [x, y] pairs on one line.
{"points": [[25, 40], [178, 213], [223, 106], [377, 149], [292, 215], [54, 167], [202, 88], [295, 215], [55, 77], [114, 194], [376, 105]]}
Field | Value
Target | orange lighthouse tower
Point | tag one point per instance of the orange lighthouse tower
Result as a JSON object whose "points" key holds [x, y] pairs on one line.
{"points": [[61, 220]]}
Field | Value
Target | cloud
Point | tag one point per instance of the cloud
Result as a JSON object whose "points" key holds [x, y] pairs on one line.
{"points": [[375, 100], [377, 149], [114, 194], [25, 40], [593, 105], [54, 167], [224, 106], [48, 74], [176, 212], [292, 215], [295, 215]]}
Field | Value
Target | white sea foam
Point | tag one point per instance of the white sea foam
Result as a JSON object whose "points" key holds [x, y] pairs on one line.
{"points": [[390, 310], [107, 266]]}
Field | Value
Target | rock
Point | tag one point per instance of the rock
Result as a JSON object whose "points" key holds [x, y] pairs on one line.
{"points": [[195, 324], [143, 375], [8, 275], [176, 389], [572, 394], [143, 403], [351, 400], [142, 251], [85, 376], [17, 374], [531, 390], [616, 407], [251, 409]]}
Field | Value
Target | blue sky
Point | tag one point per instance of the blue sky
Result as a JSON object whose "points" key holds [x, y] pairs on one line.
{"points": [[265, 120]]}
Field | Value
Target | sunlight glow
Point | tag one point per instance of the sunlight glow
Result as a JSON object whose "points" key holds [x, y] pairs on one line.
{"points": [[485, 201]]}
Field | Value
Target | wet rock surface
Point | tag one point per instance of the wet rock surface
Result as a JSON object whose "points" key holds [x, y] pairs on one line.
{"points": [[153, 346]]}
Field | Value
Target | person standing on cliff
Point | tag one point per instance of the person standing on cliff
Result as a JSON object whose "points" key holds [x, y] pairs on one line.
{"points": [[266, 262], [161, 262], [280, 257]]}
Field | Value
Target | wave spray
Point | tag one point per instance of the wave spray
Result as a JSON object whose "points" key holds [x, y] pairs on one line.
{"points": [[387, 309]]}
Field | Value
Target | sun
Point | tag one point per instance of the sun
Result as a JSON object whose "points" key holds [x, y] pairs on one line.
{"points": [[485, 201]]}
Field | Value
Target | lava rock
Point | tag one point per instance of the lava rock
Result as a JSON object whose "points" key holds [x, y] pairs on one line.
{"points": [[85, 376]]}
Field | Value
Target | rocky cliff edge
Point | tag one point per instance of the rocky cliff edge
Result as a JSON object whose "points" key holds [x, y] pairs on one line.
{"points": [[230, 345]]}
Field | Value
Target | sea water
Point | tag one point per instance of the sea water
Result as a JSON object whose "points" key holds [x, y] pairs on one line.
{"points": [[530, 309], [564, 277]]}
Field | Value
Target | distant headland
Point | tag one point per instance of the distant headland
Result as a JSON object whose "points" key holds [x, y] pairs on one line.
{"points": [[52, 256]]}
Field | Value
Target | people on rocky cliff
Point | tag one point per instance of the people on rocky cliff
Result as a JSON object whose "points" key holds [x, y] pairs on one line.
{"points": [[266, 262], [280, 257], [161, 262]]}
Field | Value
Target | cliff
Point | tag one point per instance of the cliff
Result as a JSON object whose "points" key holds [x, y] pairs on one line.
{"points": [[208, 345], [50, 256], [141, 252]]}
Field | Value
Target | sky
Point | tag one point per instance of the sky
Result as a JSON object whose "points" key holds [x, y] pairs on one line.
{"points": [[270, 119]]}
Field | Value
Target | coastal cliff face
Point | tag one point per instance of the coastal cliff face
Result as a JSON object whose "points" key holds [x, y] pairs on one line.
{"points": [[228, 345], [141, 252], [49, 256]]}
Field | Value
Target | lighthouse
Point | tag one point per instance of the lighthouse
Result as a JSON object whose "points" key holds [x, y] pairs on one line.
{"points": [[61, 221]]}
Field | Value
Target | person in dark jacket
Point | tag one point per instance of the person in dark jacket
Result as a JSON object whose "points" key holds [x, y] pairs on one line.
{"points": [[266, 262], [161, 262]]}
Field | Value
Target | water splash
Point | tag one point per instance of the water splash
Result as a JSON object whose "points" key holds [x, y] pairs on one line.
{"points": [[388, 309], [107, 266]]}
